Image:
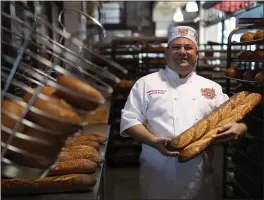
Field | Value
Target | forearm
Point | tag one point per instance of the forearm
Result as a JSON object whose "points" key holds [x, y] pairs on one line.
{"points": [[141, 134]]}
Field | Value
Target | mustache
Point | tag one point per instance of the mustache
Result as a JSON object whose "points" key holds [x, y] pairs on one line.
{"points": [[180, 58]]}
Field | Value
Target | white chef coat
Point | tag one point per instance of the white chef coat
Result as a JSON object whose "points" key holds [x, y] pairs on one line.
{"points": [[167, 106]]}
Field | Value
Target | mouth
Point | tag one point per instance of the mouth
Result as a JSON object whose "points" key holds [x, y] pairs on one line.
{"points": [[181, 59]]}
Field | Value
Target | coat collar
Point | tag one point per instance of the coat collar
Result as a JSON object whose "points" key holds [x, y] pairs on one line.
{"points": [[173, 76]]}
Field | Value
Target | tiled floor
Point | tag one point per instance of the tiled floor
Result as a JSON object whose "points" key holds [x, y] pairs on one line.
{"points": [[122, 183]]}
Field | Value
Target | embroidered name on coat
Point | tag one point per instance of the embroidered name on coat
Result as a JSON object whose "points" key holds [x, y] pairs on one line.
{"points": [[151, 92], [208, 93]]}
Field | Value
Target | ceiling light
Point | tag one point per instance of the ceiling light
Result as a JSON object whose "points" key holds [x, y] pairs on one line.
{"points": [[197, 19], [191, 6], [178, 16]]}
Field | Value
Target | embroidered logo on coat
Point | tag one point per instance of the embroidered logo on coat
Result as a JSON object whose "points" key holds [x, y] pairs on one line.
{"points": [[208, 93], [183, 31]]}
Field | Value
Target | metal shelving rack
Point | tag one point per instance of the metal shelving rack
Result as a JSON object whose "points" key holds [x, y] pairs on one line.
{"points": [[31, 58], [243, 160], [140, 56], [212, 62]]}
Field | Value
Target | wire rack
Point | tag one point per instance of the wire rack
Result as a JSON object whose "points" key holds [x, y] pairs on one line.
{"points": [[31, 61], [243, 160]]}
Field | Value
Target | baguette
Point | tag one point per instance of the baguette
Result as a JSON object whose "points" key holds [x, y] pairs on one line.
{"points": [[80, 148], [70, 143], [86, 137], [76, 166], [55, 184], [89, 99], [236, 115], [208, 122], [61, 109], [101, 137], [71, 155]]}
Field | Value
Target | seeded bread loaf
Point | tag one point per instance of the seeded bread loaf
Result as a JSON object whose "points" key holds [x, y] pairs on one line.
{"points": [[71, 143], [80, 148], [75, 166], [87, 137], [54, 184], [71, 155]]}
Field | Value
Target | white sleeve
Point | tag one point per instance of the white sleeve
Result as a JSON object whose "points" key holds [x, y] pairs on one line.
{"points": [[134, 112]]}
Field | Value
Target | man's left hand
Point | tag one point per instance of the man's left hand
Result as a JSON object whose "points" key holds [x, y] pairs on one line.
{"points": [[230, 132]]}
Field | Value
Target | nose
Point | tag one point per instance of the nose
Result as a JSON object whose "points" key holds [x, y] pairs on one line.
{"points": [[182, 50]]}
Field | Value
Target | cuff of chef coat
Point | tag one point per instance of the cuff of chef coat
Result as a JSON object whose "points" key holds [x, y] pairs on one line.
{"points": [[124, 128]]}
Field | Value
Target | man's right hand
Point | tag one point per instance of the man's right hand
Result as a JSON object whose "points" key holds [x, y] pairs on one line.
{"points": [[160, 144]]}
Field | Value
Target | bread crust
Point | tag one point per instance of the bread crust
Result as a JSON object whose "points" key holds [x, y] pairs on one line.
{"points": [[54, 184], [210, 121], [242, 107]]}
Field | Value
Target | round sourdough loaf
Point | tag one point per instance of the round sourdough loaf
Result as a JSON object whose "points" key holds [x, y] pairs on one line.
{"points": [[249, 75], [247, 37], [260, 77], [259, 35], [246, 55]]}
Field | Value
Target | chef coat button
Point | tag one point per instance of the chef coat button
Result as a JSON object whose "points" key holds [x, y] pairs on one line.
{"points": [[175, 98]]}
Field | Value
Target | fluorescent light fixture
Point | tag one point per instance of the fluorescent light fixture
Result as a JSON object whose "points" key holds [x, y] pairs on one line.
{"points": [[191, 6], [178, 16], [197, 19]]}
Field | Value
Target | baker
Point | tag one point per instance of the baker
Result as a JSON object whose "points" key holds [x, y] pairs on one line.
{"points": [[164, 104]]}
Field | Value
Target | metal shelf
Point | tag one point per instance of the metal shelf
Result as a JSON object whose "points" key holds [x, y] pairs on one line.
{"points": [[253, 42]]}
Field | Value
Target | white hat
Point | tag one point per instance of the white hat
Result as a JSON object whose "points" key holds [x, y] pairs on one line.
{"points": [[183, 31]]}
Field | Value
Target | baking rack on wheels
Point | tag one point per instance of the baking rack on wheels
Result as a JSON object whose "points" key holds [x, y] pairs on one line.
{"points": [[48, 90], [140, 56], [243, 159]]}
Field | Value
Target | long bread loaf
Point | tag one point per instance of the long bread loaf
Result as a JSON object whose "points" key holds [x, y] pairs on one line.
{"points": [[88, 137], [70, 155], [236, 115], [71, 143], [75, 166], [55, 184], [80, 148], [207, 123]]}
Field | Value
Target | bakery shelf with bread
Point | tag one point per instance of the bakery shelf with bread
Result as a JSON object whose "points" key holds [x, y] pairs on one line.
{"points": [[48, 90], [77, 172], [245, 177]]}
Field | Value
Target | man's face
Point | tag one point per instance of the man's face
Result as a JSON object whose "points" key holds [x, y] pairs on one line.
{"points": [[181, 56]]}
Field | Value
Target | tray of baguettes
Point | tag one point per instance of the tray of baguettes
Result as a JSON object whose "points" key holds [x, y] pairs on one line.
{"points": [[73, 171], [202, 134], [46, 140]]}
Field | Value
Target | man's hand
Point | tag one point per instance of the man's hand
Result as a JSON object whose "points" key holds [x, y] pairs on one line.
{"points": [[160, 144], [230, 132]]}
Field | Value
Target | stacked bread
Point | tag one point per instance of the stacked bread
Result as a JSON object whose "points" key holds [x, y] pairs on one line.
{"points": [[73, 170], [257, 54], [55, 114], [54, 184], [250, 36], [198, 137], [248, 75]]}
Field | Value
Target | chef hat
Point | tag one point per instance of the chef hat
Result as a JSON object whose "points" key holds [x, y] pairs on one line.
{"points": [[183, 31]]}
